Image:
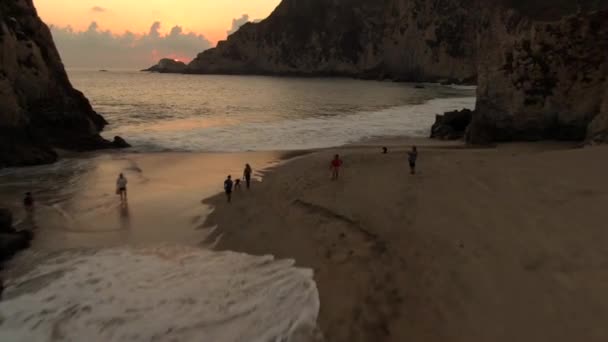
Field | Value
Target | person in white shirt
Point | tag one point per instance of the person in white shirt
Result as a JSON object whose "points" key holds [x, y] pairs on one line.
{"points": [[121, 187]]}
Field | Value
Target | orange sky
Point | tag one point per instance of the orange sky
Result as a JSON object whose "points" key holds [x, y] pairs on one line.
{"points": [[211, 18]]}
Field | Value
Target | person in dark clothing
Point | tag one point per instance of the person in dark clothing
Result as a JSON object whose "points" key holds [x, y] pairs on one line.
{"points": [[412, 158], [335, 166], [384, 150], [247, 175], [228, 188]]}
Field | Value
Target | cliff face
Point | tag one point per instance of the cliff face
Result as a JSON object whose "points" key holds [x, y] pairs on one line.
{"points": [[543, 78], [399, 39], [540, 64], [39, 108]]}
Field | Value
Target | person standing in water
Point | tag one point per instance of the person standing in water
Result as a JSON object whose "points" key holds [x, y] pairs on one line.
{"points": [[121, 187], [228, 188], [412, 158], [335, 165], [247, 175]]}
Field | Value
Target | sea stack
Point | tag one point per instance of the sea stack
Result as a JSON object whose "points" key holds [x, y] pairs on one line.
{"points": [[167, 65]]}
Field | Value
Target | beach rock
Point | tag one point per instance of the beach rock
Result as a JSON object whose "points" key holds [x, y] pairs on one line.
{"points": [[11, 241], [6, 220], [39, 108], [167, 65], [451, 125], [119, 142]]}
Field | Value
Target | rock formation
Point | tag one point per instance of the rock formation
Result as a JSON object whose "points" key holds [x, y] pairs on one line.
{"points": [[451, 125], [542, 75], [414, 40], [167, 65], [11, 241], [39, 108], [540, 64]]}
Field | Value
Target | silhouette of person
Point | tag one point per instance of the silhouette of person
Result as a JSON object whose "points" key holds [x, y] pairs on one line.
{"points": [[412, 158], [335, 166], [247, 175], [228, 183], [121, 187]]}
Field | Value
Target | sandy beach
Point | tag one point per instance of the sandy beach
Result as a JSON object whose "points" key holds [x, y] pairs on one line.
{"points": [[505, 244], [77, 207]]}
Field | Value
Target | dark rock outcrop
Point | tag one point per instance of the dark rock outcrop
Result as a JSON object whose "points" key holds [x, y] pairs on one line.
{"points": [[451, 125], [167, 65], [39, 108], [119, 142], [6, 220], [11, 241], [543, 79]]}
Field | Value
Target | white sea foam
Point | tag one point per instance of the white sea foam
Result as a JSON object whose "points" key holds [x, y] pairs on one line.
{"points": [[161, 112], [160, 294], [303, 133]]}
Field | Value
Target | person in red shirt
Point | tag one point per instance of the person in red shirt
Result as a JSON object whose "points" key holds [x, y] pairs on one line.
{"points": [[335, 165]]}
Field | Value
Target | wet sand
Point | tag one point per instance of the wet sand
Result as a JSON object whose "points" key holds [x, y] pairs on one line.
{"points": [[506, 244], [77, 207]]}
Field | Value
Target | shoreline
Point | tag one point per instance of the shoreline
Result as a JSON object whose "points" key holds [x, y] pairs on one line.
{"points": [[480, 240]]}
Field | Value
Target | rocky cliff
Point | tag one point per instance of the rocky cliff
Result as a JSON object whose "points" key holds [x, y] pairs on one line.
{"points": [[398, 39], [540, 64], [542, 74], [39, 108]]}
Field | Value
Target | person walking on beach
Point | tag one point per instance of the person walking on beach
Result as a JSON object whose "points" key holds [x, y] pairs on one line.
{"points": [[228, 188], [412, 158], [121, 187], [247, 175], [335, 165]]}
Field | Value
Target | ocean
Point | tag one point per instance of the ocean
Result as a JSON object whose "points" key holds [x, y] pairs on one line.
{"points": [[100, 270], [167, 112]]}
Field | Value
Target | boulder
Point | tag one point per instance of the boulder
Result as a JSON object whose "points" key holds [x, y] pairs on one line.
{"points": [[12, 243], [451, 125], [119, 142], [6, 220]]}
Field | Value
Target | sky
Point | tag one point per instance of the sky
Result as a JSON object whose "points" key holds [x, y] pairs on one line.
{"points": [[137, 33]]}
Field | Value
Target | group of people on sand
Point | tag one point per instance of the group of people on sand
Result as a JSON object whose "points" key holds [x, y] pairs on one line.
{"points": [[337, 163], [230, 185]]}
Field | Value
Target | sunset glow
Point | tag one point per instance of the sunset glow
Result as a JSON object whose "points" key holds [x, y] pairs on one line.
{"points": [[211, 18], [135, 34]]}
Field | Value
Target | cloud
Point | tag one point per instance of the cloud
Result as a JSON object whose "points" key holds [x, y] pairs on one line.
{"points": [[98, 48], [98, 9], [237, 23]]}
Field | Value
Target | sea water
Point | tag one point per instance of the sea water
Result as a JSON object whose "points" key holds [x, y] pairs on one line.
{"points": [[165, 112], [100, 270]]}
